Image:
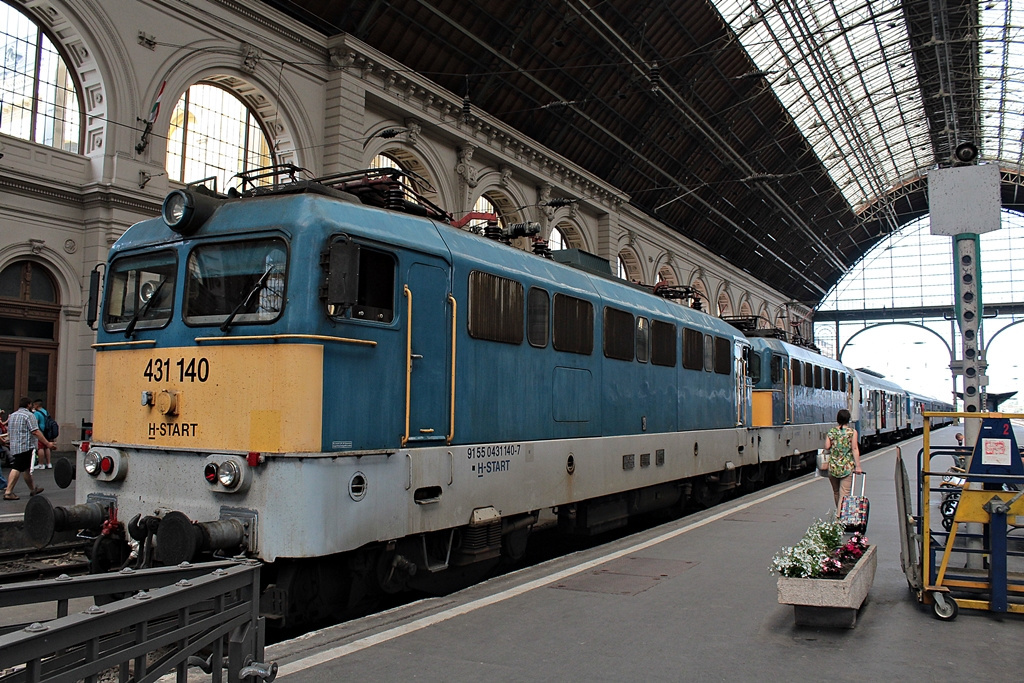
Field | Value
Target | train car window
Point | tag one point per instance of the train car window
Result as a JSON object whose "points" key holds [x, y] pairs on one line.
{"points": [[140, 288], [797, 371], [709, 353], [842, 382], [663, 343], [538, 317], [827, 380], [723, 356], [618, 334], [835, 380], [231, 283], [817, 377], [693, 349], [776, 369], [643, 339], [573, 328], [495, 308], [754, 368], [809, 375]]}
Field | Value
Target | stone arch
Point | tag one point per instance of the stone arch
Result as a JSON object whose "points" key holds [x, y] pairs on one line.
{"points": [[288, 129], [574, 236], [63, 273], [723, 303], [745, 309], [411, 159], [780, 319], [698, 284], [632, 264], [667, 274], [764, 320]]}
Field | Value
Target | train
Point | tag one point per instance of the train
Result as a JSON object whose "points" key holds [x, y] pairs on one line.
{"points": [[338, 378]]}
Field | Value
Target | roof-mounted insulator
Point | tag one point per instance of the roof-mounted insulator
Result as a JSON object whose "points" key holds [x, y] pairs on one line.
{"points": [[655, 76], [542, 248], [395, 197], [493, 231]]}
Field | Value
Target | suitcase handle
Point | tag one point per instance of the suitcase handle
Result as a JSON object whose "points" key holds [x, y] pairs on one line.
{"points": [[863, 482]]}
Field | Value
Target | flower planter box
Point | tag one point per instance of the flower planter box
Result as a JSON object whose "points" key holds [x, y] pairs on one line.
{"points": [[830, 602]]}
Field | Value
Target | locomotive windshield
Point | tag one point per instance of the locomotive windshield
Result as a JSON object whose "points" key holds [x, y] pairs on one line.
{"points": [[235, 282], [140, 292]]}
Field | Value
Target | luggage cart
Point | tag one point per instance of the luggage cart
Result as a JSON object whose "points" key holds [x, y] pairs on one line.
{"points": [[971, 562]]}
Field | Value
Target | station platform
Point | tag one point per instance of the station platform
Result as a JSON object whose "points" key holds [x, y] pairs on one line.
{"points": [[689, 600]]}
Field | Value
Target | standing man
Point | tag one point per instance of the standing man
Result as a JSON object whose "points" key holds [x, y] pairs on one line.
{"points": [[42, 453], [24, 433]]}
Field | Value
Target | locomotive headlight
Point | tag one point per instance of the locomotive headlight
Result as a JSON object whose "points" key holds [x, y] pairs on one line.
{"points": [[177, 208], [91, 463], [185, 211], [229, 474]]}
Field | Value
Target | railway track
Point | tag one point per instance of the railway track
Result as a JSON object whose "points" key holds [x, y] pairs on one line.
{"points": [[27, 564]]}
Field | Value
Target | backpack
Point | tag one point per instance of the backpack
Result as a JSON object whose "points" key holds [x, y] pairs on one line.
{"points": [[51, 430]]}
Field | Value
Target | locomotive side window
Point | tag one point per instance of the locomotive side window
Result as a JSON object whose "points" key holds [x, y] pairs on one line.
{"points": [[835, 380], [826, 378], [643, 339], [723, 356], [663, 343], [797, 371], [754, 368], [776, 369], [693, 349], [842, 383], [618, 334], [573, 329], [817, 377], [538, 317], [235, 282], [140, 288], [373, 273], [809, 375], [495, 308], [709, 353]]}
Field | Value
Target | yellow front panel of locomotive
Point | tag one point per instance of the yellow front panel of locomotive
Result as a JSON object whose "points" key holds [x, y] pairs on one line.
{"points": [[266, 397]]}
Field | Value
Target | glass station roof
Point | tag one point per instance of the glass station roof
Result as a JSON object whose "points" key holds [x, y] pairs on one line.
{"points": [[852, 75]]}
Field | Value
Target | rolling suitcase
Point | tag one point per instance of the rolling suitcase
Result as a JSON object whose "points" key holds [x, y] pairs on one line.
{"points": [[853, 509]]}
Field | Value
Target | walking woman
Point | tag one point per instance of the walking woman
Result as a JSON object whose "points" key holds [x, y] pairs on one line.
{"points": [[844, 457]]}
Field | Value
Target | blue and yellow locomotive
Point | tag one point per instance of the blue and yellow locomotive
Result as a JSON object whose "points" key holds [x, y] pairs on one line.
{"points": [[332, 377]]}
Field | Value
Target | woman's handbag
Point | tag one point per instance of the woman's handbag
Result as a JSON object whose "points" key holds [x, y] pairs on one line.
{"points": [[823, 454]]}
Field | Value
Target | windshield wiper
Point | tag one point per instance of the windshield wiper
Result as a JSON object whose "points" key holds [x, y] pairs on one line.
{"points": [[226, 325], [130, 329]]}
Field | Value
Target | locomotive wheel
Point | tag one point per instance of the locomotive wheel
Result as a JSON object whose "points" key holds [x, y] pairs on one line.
{"points": [[777, 471], [705, 495]]}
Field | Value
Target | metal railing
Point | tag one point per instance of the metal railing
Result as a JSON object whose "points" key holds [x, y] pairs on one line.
{"points": [[173, 618]]}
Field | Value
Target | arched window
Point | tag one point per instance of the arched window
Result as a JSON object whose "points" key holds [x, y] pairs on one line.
{"points": [[385, 160], [214, 134], [557, 240], [485, 205], [37, 90], [667, 275], [745, 309]]}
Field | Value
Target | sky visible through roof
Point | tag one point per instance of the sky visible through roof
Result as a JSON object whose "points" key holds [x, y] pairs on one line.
{"points": [[914, 268]]}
